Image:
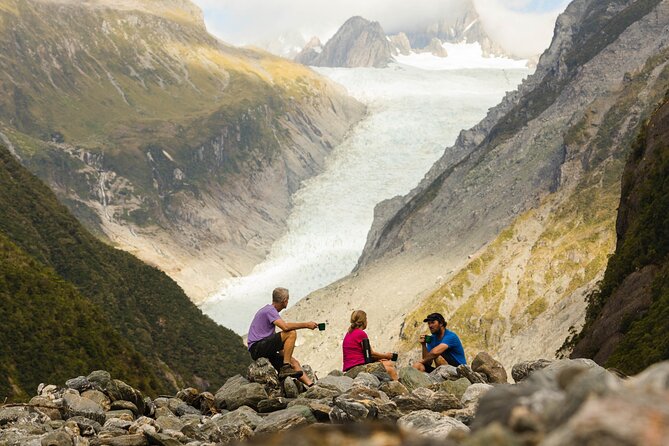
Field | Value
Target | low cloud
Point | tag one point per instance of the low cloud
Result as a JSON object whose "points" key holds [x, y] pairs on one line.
{"points": [[511, 22]]}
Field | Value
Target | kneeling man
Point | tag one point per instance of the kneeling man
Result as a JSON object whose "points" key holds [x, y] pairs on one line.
{"points": [[264, 341], [444, 347]]}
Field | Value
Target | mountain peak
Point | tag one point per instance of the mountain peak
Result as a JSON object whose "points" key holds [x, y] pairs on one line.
{"points": [[358, 43]]}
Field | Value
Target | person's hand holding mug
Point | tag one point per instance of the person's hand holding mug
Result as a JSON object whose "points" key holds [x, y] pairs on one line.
{"points": [[422, 339], [312, 325]]}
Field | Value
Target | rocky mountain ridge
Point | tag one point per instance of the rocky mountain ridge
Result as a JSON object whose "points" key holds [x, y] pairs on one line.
{"points": [[170, 144], [511, 229], [553, 403], [357, 43]]}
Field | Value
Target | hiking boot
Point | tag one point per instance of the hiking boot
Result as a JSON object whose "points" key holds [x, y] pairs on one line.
{"points": [[287, 371]]}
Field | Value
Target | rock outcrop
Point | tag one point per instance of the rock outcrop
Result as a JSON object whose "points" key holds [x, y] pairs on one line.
{"points": [[358, 43], [568, 402]]}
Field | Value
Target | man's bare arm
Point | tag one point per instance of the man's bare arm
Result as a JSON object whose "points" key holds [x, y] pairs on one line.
{"points": [[434, 353], [289, 326]]}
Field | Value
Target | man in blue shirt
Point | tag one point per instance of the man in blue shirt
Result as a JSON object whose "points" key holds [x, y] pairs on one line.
{"points": [[444, 347]]}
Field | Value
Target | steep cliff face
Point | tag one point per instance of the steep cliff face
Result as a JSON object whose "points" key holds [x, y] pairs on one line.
{"points": [[626, 326], [172, 145], [513, 226], [358, 43]]}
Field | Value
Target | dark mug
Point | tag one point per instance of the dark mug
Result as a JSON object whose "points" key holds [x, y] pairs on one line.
{"points": [[321, 326], [428, 339], [394, 358]]}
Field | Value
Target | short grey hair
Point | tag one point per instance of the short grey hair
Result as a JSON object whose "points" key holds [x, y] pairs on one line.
{"points": [[279, 295]]}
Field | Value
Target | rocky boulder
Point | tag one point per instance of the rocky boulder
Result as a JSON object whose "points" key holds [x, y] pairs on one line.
{"points": [[494, 371]]}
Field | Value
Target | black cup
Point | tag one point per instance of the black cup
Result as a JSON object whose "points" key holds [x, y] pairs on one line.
{"points": [[428, 339], [394, 358], [321, 326]]}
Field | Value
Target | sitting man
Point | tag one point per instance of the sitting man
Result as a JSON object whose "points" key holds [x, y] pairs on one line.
{"points": [[444, 347], [264, 341]]}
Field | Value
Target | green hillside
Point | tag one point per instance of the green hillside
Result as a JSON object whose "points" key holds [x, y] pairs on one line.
{"points": [[142, 304], [638, 321]]}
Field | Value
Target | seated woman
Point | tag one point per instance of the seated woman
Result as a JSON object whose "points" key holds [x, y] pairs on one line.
{"points": [[354, 357]]}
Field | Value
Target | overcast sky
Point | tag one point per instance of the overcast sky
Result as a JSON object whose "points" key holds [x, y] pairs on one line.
{"points": [[522, 26]]}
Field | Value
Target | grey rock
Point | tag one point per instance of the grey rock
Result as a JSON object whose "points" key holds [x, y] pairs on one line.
{"points": [[87, 427], [411, 403], [243, 415], [317, 392], [430, 424], [609, 420], [367, 380], [549, 376], [263, 372], [161, 439], [244, 395], [320, 408], [524, 369], [206, 402], [188, 395], [340, 384], [272, 405], [57, 438], [443, 401], [46, 406], [117, 423], [125, 405], [150, 408], [393, 388], [100, 378], [123, 440], [117, 390], [473, 377], [125, 415], [221, 433], [80, 384], [231, 384], [490, 367], [290, 389], [474, 393], [336, 373], [456, 388], [413, 379], [444, 372], [286, 419], [74, 405], [99, 397], [170, 422], [185, 409], [375, 368], [361, 403]]}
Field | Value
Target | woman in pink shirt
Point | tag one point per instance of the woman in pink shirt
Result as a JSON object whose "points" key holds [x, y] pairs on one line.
{"points": [[353, 350]]}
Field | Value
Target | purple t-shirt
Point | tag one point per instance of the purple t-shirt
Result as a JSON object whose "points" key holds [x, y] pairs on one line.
{"points": [[262, 325]]}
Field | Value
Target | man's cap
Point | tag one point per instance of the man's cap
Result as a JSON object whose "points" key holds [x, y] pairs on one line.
{"points": [[435, 317]]}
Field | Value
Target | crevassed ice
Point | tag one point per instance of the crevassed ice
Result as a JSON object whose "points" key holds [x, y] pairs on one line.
{"points": [[414, 115]]}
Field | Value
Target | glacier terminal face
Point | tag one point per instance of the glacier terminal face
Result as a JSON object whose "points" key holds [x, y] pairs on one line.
{"points": [[414, 113]]}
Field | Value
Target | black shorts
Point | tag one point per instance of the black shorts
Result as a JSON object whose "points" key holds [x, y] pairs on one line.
{"points": [[269, 348]]}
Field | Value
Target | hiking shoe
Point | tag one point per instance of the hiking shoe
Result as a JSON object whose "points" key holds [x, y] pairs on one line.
{"points": [[287, 371]]}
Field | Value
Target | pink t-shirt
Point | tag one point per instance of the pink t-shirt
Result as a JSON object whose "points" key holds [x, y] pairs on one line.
{"points": [[352, 348]]}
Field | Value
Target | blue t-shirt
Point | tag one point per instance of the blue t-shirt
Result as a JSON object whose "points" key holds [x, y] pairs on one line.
{"points": [[454, 354]]}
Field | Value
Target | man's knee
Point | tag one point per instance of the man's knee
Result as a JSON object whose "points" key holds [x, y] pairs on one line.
{"points": [[418, 366], [286, 335]]}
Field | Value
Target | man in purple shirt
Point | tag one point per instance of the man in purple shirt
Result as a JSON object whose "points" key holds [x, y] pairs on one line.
{"points": [[263, 341]]}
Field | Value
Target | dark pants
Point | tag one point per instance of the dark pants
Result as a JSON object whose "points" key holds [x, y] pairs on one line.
{"points": [[268, 348]]}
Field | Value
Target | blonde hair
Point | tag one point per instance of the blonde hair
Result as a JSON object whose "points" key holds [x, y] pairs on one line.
{"points": [[358, 320]]}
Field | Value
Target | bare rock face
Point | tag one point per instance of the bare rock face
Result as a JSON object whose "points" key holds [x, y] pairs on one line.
{"points": [[401, 43], [358, 43], [490, 367]]}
